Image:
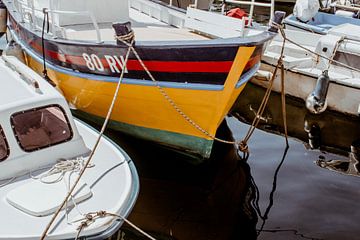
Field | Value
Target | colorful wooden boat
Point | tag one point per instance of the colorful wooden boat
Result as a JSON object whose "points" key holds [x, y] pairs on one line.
{"points": [[201, 60]]}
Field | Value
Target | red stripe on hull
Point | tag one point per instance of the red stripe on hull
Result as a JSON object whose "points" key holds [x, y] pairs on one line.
{"points": [[156, 66]]}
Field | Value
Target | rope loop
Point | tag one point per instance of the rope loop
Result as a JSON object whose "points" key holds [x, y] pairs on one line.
{"points": [[126, 37], [243, 147], [274, 24]]}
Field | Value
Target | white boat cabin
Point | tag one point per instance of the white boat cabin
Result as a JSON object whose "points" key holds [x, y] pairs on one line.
{"points": [[36, 126]]}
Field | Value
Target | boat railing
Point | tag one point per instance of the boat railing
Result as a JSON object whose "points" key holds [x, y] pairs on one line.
{"points": [[28, 11], [170, 15], [252, 5]]}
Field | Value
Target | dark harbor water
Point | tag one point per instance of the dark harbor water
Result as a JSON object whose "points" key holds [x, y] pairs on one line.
{"points": [[275, 194], [278, 193]]}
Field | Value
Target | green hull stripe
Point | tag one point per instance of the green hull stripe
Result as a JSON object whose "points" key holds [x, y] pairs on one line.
{"points": [[195, 147]]}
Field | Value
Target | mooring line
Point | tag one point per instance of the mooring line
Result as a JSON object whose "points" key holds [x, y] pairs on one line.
{"points": [[92, 151]]}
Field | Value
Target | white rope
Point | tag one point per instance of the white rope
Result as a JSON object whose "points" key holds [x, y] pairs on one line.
{"points": [[60, 168], [91, 217], [101, 133]]}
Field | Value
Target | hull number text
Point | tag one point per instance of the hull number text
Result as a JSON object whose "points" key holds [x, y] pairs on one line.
{"points": [[115, 63]]}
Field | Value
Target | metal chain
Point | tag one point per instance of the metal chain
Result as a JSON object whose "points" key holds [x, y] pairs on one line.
{"points": [[242, 145], [169, 99]]}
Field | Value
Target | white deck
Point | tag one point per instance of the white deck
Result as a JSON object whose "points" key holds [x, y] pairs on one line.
{"points": [[18, 205], [110, 167]]}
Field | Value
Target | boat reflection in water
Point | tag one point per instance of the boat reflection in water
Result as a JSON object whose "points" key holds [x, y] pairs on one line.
{"points": [[214, 200], [223, 198], [349, 167], [218, 199], [329, 131]]}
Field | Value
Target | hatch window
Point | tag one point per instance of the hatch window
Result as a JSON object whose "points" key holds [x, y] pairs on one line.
{"points": [[41, 127], [4, 148]]}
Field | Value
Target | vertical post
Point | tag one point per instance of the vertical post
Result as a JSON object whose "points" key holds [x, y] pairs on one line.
{"points": [[223, 8], [171, 2], [243, 27], [33, 24], [272, 9], [251, 11], [51, 6], [96, 26], [196, 4], [21, 10]]}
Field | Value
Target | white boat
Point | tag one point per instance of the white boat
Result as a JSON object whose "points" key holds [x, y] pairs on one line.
{"points": [[312, 17], [42, 152], [305, 77], [321, 23]]}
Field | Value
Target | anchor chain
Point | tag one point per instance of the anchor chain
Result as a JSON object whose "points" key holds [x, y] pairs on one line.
{"points": [[242, 144]]}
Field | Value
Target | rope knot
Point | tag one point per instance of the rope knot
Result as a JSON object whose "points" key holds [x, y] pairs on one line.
{"points": [[89, 217], [124, 34], [243, 147], [82, 225], [101, 213]]}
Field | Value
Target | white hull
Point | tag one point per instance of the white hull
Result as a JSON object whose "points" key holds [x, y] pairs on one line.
{"points": [[340, 98], [304, 66], [115, 190]]}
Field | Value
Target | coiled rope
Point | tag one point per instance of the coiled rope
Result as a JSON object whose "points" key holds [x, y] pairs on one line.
{"points": [[61, 168]]}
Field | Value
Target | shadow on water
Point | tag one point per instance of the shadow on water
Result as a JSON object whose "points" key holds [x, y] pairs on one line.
{"points": [[178, 200], [278, 193]]}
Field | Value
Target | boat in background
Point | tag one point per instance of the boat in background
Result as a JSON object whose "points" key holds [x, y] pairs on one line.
{"points": [[199, 63], [332, 82], [42, 151], [321, 69], [321, 23], [320, 19]]}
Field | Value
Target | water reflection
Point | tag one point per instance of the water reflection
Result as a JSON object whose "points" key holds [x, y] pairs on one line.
{"points": [[177, 200], [348, 167], [265, 216], [216, 200], [329, 131]]}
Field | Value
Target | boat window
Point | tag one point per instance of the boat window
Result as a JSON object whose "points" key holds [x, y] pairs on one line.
{"points": [[4, 149], [41, 127]]}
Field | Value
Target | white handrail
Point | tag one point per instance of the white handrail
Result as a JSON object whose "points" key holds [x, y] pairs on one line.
{"points": [[84, 13], [252, 4], [21, 6]]}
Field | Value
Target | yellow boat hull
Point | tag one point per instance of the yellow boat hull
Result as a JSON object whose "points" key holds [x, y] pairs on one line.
{"points": [[143, 111]]}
